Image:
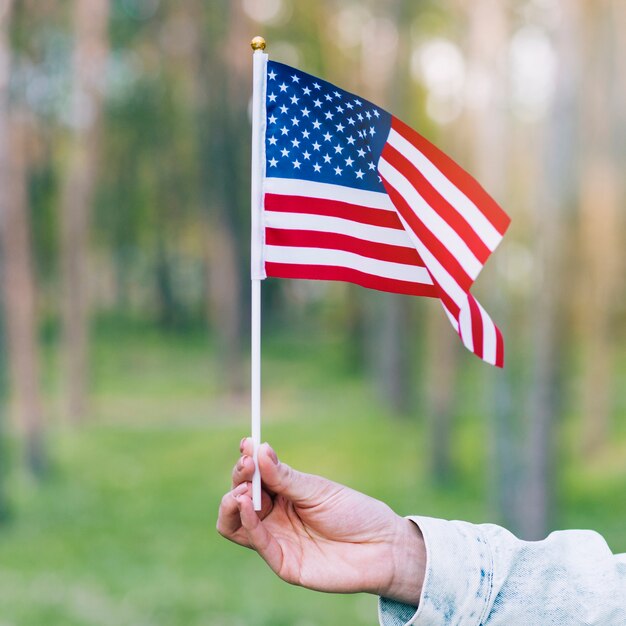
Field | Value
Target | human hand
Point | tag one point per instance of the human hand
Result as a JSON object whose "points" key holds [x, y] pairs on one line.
{"points": [[321, 535]]}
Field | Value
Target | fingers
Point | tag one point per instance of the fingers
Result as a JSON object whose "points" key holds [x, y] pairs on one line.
{"points": [[243, 470], [229, 519], [279, 478], [259, 538]]}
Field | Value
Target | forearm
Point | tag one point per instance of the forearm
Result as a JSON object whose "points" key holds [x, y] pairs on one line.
{"points": [[485, 575]]}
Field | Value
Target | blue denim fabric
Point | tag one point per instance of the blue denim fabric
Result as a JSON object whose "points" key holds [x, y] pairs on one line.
{"points": [[481, 575]]}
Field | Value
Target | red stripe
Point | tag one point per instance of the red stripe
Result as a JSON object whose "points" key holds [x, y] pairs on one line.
{"points": [[332, 208], [337, 241], [477, 326], [457, 175], [434, 246], [437, 202], [499, 348], [324, 272]]}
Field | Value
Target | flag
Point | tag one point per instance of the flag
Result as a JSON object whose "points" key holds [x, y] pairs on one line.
{"points": [[351, 193]]}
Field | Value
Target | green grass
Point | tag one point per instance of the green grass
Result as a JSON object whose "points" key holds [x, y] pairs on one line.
{"points": [[123, 532]]}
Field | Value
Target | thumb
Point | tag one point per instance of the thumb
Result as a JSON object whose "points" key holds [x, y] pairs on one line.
{"points": [[282, 479]]}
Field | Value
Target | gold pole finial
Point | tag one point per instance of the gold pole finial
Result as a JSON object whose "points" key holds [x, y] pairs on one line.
{"points": [[258, 43]]}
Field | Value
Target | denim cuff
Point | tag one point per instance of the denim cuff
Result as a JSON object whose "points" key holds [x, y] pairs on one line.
{"points": [[458, 582]]}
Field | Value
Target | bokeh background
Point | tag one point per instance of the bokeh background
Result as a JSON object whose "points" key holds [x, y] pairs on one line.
{"points": [[124, 208]]}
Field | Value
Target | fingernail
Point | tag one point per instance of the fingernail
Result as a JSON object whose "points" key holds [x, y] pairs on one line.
{"points": [[271, 453], [241, 444]]}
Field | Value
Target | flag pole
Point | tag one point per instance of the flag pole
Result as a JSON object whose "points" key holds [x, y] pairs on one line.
{"points": [[257, 267]]}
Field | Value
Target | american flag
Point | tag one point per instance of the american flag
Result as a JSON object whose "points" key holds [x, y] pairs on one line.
{"points": [[353, 194]]}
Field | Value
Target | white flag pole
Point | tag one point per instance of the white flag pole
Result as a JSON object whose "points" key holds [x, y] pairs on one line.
{"points": [[257, 267]]}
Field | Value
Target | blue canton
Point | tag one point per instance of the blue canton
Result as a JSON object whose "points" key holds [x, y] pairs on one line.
{"points": [[318, 132]]}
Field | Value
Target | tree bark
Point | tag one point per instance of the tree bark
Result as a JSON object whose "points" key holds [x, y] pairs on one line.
{"points": [[599, 227], [20, 301], [90, 54], [556, 195]]}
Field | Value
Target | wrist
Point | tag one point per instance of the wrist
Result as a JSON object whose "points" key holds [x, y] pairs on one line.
{"points": [[409, 564]]}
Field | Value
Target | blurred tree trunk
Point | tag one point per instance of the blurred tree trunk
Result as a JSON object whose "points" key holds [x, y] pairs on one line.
{"points": [[385, 74], [223, 146], [442, 376], [487, 116], [556, 195], [18, 273], [78, 186], [20, 299], [5, 61], [599, 226]]}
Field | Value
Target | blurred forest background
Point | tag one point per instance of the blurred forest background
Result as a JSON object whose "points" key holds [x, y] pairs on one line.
{"points": [[124, 236]]}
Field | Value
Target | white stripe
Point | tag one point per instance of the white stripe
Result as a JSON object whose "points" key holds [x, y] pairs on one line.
{"points": [[326, 191], [465, 324], [341, 258], [330, 224], [489, 336], [439, 273], [461, 203], [431, 219]]}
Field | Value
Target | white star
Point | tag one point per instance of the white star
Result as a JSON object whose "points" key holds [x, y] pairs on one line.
{"points": [[296, 164], [338, 170], [338, 149], [284, 130], [284, 152], [283, 87], [271, 74], [295, 78], [305, 112], [327, 136], [359, 117], [316, 85], [273, 162], [328, 96], [272, 97], [337, 94], [272, 119], [376, 113], [340, 128], [368, 115], [361, 152], [359, 174], [306, 155], [351, 140], [305, 134], [350, 105], [317, 167], [380, 180], [295, 121], [283, 109], [339, 109], [372, 131], [358, 103], [294, 99], [326, 158], [272, 141], [349, 161], [351, 121], [316, 146], [371, 165], [316, 125], [306, 91], [295, 143], [329, 115], [317, 103]]}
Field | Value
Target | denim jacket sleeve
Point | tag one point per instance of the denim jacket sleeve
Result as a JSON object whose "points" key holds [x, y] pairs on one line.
{"points": [[481, 575]]}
